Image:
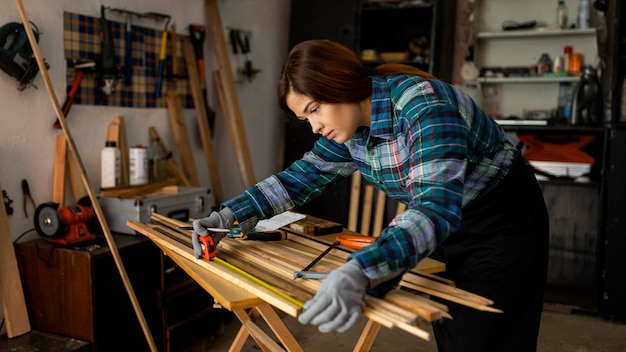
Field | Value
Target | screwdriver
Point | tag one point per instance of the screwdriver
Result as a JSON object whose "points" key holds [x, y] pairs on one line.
{"points": [[277, 235]]}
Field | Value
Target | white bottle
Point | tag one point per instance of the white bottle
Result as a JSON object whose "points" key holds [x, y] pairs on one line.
{"points": [[584, 9], [561, 14], [110, 165]]}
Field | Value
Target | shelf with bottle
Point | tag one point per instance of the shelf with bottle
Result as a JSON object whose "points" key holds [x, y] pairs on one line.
{"points": [[549, 31], [528, 79]]}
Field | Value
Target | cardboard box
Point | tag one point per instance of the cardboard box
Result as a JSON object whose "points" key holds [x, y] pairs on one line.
{"points": [[180, 203]]}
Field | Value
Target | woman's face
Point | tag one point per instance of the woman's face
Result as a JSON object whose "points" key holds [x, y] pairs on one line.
{"points": [[338, 122]]}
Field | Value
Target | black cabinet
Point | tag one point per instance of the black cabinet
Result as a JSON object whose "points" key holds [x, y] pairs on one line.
{"points": [[378, 25], [574, 203], [612, 303]]}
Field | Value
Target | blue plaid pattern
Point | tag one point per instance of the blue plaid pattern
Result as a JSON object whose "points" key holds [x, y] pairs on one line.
{"points": [[428, 146]]}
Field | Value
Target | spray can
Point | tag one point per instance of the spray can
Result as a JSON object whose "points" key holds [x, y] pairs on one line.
{"points": [[138, 165]]}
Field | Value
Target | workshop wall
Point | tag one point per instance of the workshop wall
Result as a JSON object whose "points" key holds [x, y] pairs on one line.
{"points": [[27, 139]]}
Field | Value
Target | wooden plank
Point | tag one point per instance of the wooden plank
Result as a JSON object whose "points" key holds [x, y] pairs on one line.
{"points": [[137, 192], [251, 255], [73, 170], [279, 328], [11, 294], [355, 194], [259, 336], [225, 82], [203, 122], [226, 294], [242, 154], [379, 213], [179, 129], [172, 168], [400, 208], [43, 69], [441, 287], [238, 279], [366, 340], [314, 226], [412, 303], [366, 213], [122, 144], [60, 168], [276, 261]]}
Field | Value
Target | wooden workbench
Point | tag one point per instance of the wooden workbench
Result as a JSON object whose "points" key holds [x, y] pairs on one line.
{"points": [[256, 289]]}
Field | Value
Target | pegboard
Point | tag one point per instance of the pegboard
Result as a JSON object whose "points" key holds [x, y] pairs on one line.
{"points": [[81, 39]]}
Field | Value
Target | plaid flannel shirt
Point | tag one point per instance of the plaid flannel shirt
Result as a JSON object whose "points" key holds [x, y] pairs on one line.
{"points": [[428, 146]]}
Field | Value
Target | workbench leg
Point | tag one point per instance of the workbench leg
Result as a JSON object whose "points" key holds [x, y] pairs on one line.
{"points": [[265, 342], [279, 328], [366, 340]]}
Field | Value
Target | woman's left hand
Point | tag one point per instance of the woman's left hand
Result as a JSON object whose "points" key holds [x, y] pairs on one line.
{"points": [[340, 300]]}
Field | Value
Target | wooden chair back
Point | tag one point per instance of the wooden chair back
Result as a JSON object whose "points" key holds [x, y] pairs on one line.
{"points": [[361, 212]]}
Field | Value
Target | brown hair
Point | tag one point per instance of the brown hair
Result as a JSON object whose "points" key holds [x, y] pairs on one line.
{"points": [[329, 72]]}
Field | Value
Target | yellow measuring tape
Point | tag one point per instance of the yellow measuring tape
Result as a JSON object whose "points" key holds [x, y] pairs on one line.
{"points": [[259, 281]]}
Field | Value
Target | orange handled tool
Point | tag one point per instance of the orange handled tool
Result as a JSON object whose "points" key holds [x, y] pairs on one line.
{"points": [[354, 241]]}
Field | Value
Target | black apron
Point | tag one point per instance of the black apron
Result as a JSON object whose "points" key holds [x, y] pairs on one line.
{"points": [[500, 252]]}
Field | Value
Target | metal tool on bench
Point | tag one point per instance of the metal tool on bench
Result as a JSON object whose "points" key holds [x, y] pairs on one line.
{"points": [[277, 235], [346, 240], [16, 54], [305, 271]]}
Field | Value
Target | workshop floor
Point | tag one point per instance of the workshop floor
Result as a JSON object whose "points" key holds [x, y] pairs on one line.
{"points": [[559, 332]]}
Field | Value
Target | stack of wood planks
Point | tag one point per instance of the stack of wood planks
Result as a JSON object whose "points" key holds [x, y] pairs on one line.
{"points": [[271, 266]]}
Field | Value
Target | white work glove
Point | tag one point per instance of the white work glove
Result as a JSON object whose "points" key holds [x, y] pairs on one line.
{"points": [[223, 219], [340, 300]]}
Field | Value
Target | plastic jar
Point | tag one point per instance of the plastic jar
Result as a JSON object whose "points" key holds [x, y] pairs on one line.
{"points": [[110, 165]]}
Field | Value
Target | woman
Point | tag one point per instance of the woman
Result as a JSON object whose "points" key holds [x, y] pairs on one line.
{"points": [[472, 202]]}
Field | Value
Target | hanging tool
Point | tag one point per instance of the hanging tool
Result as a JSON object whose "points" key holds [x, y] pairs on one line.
{"points": [[298, 274], [128, 55], [174, 50], [240, 42], [16, 54], [162, 52], [64, 225], [108, 71], [80, 70], [196, 35], [7, 202], [27, 196]]}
